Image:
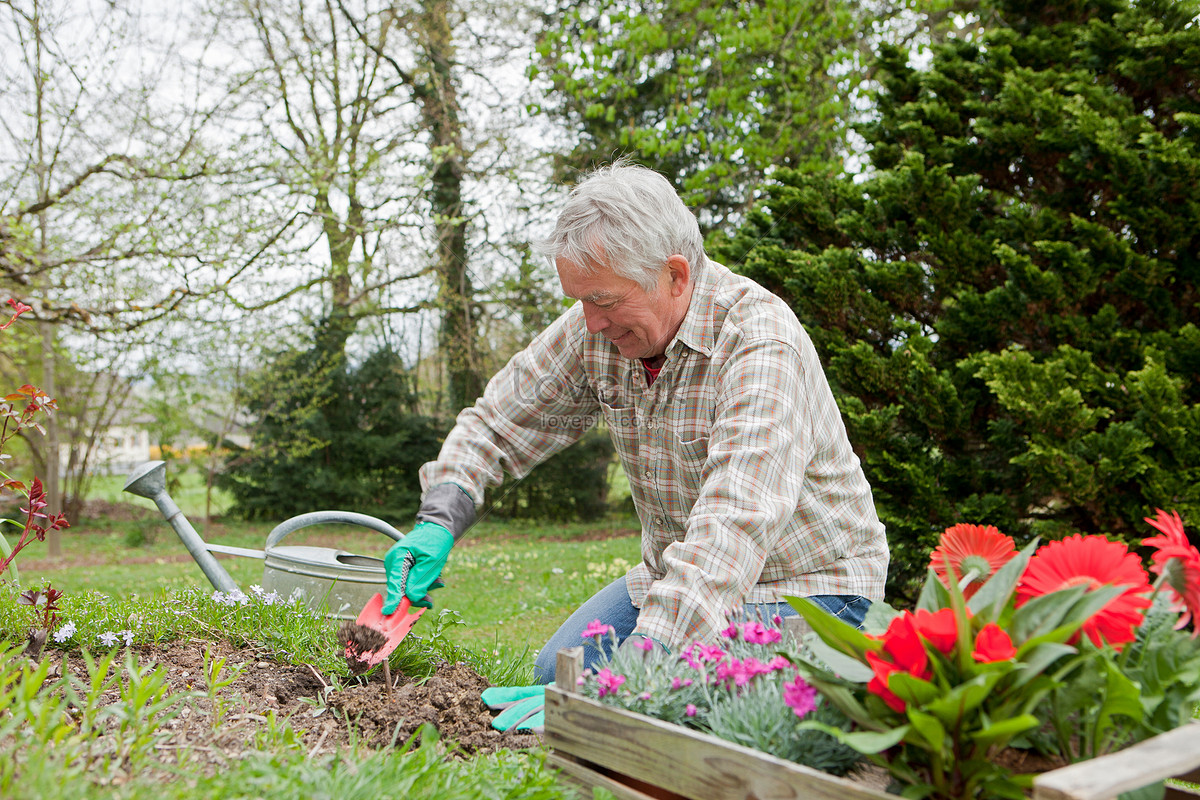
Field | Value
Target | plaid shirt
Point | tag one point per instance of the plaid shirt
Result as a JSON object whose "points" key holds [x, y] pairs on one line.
{"points": [[737, 458]]}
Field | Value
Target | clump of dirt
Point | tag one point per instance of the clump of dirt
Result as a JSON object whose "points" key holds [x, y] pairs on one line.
{"points": [[359, 642], [324, 715]]}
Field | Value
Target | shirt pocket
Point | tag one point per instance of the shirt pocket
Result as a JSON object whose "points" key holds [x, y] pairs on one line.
{"points": [[688, 460], [622, 422]]}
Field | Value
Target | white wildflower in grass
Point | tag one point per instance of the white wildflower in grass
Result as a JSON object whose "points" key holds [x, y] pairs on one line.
{"points": [[127, 635], [65, 632], [238, 598], [218, 597], [108, 639], [297, 596], [257, 590]]}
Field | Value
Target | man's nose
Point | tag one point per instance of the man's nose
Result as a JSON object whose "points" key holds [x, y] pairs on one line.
{"points": [[594, 318]]}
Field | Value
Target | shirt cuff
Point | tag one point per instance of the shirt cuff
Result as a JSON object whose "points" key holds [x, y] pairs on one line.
{"points": [[448, 505]]}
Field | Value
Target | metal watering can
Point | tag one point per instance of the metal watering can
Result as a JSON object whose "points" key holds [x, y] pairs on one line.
{"points": [[334, 582]]}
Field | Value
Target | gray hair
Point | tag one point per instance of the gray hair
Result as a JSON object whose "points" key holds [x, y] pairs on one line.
{"points": [[626, 218]]}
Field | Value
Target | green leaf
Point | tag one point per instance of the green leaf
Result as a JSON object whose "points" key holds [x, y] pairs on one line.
{"points": [[955, 705], [929, 728], [1121, 698], [1153, 791], [1033, 659], [878, 617], [866, 742], [989, 600], [1042, 614], [1005, 729], [833, 631], [839, 663], [934, 595], [912, 689]]}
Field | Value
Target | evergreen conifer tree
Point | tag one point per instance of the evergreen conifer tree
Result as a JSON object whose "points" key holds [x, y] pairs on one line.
{"points": [[1006, 302]]}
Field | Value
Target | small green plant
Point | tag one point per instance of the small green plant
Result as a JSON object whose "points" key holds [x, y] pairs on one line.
{"points": [[215, 679]]}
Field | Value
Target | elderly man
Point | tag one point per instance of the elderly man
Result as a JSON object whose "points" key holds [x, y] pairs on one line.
{"points": [[743, 479]]}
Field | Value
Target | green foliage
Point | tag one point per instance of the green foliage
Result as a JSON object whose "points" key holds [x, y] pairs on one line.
{"points": [[329, 436], [737, 690], [1006, 304], [710, 93], [945, 689], [571, 485]]}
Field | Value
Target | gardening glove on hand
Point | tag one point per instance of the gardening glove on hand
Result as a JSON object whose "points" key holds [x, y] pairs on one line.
{"points": [[414, 564], [522, 708]]}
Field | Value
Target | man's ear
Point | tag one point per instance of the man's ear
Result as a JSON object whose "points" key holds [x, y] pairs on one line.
{"points": [[680, 273]]}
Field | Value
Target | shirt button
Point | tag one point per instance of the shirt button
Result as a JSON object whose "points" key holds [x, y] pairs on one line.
{"points": [[649, 473], [658, 521]]}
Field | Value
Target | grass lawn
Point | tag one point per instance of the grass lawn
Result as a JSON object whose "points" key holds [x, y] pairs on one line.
{"points": [[510, 584]]}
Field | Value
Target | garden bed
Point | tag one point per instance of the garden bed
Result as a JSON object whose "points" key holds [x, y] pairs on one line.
{"points": [[638, 757]]}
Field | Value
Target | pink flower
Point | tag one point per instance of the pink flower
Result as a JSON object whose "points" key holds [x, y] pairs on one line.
{"points": [[757, 633], [755, 667], [800, 696], [731, 632], [733, 672], [644, 696], [778, 662], [710, 653], [596, 629], [609, 681], [679, 683], [644, 643], [690, 710]]}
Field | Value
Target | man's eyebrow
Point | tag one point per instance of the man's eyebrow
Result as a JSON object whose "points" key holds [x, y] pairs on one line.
{"points": [[600, 297]]}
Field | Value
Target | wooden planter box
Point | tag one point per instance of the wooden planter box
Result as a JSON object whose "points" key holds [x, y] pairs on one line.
{"points": [[638, 758]]}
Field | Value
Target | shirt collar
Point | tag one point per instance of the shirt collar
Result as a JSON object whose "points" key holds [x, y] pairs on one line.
{"points": [[696, 331]]}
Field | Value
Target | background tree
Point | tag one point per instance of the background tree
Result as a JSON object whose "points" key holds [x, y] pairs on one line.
{"points": [[95, 216], [352, 439], [1007, 305], [716, 95]]}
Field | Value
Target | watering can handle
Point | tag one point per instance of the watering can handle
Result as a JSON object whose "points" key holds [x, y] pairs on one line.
{"points": [[326, 517]]}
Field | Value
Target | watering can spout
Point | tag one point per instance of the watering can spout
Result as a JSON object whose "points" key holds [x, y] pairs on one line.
{"points": [[149, 480]]}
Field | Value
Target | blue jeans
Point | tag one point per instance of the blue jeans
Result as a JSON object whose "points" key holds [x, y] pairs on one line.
{"points": [[612, 606]]}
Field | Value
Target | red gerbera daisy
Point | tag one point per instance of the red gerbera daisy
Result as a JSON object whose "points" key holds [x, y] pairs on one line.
{"points": [[1179, 562], [972, 549], [1092, 561]]}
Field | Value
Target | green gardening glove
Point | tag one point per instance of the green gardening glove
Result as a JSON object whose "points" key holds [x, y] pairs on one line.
{"points": [[414, 563], [522, 708]]}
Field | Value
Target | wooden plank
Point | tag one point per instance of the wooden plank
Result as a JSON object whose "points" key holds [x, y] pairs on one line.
{"points": [[1165, 756], [688, 763], [568, 666], [583, 774]]}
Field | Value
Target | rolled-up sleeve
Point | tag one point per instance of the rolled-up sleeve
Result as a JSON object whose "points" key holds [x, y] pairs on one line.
{"points": [[536, 405]]}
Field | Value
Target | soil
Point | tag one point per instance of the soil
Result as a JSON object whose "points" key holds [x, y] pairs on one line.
{"points": [[325, 712]]}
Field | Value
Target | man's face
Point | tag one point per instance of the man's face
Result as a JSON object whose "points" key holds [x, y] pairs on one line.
{"points": [[641, 324]]}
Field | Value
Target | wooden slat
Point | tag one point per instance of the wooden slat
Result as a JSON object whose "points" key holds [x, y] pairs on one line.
{"points": [[1165, 756], [589, 778], [694, 765]]}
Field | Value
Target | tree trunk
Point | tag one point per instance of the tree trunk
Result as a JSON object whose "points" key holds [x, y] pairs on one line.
{"points": [[458, 338]]}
